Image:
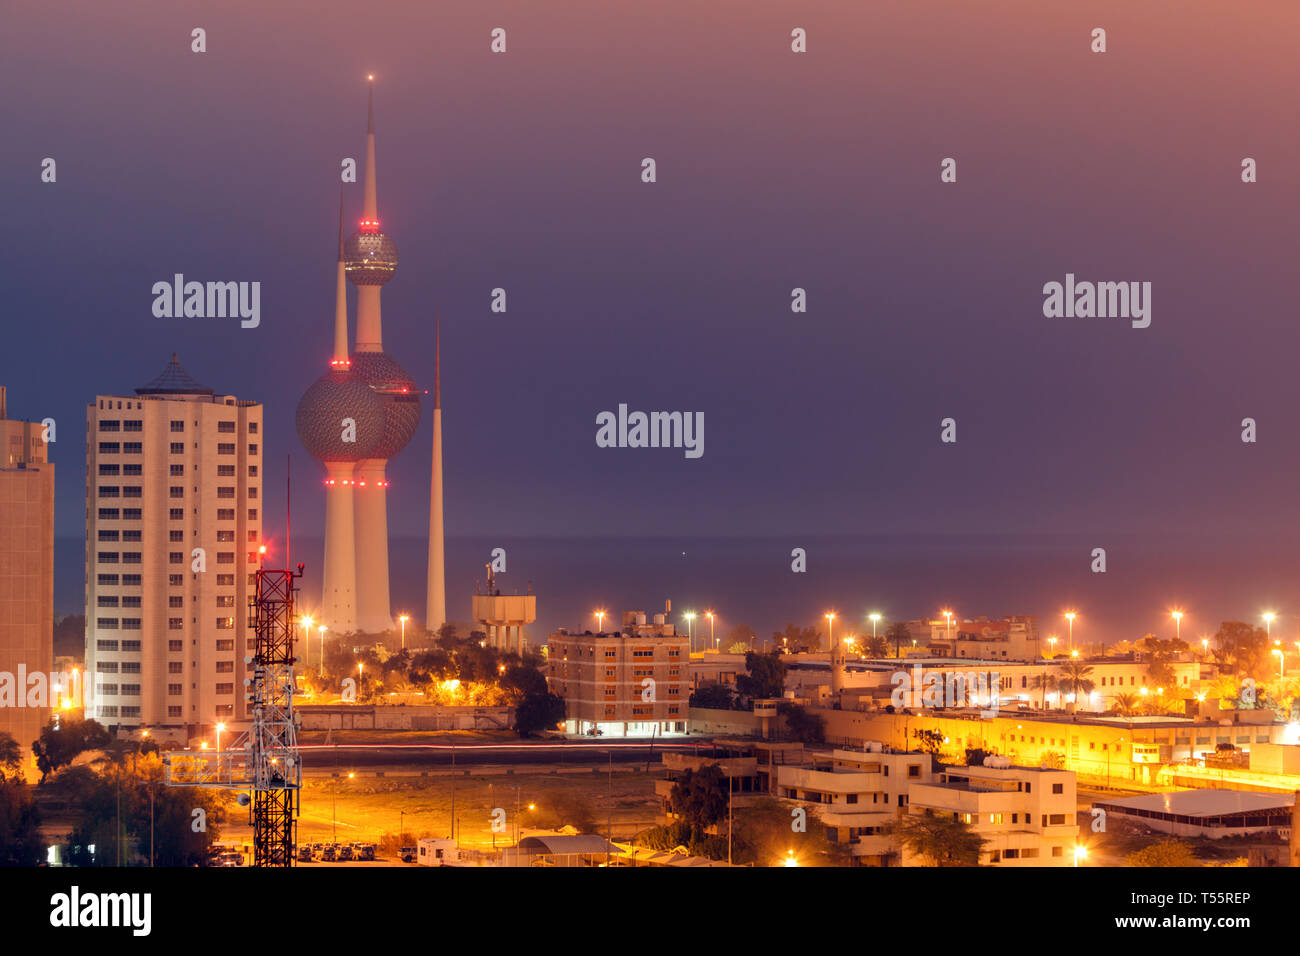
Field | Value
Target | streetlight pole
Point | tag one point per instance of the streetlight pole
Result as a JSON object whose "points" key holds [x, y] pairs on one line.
{"points": [[403, 619], [1069, 616], [712, 639], [323, 629]]}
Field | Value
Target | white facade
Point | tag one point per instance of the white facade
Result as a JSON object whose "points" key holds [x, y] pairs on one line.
{"points": [[167, 627]]}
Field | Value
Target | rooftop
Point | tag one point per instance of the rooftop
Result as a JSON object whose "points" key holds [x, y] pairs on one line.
{"points": [[1202, 803]]}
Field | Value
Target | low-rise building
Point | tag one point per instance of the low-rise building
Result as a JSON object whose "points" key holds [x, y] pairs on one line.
{"points": [[634, 682]]}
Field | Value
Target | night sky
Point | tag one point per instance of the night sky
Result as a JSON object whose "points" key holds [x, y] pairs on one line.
{"points": [[775, 170]]}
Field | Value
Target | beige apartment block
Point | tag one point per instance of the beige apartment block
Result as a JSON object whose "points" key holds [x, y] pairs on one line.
{"points": [[173, 529], [634, 682], [26, 575]]}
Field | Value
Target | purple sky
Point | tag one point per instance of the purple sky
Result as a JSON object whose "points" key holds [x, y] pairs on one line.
{"points": [[775, 171]]}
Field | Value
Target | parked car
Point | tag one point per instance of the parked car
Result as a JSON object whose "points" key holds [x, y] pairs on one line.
{"points": [[345, 852], [363, 851], [328, 854], [304, 854], [407, 854]]}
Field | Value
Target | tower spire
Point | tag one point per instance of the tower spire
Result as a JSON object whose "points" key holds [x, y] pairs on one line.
{"points": [[370, 207], [340, 360], [436, 596], [437, 362]]}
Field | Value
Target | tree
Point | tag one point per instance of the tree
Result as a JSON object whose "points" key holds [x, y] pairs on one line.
{"points": [[804, 726], [538, 711], [1169, 852], [59, 746], [942, 840], [700, 796], [1126, 705], [876, 646], [795, 639], [975, 756], [1075, 679], [929, 741], [713, 697], [741, 634], [1159, 654], [11, 758], [21, 843], [1041, 682], [765, 677], [898, 635], [1242, 650]]}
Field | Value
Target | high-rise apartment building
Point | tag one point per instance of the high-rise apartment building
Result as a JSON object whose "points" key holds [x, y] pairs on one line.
{"points": [[26, 575], [173, 528]]}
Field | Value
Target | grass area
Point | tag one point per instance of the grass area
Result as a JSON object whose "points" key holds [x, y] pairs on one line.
{"points": [[368, 809]]}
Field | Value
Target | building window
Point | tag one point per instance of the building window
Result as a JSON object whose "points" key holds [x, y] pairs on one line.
{"points": [[252, 428], [225, 448], [178, 448], [133, 448], [106, 645], [177, 426], [109, 491], [108, 514], [225, 491], [133, 425], [131, 514], [225, 471], [175, 623], [133, 646], [107, 425], [175, 646], [225, 514], [175, 580], [174, 690], [226, 428], [109, 469], [225, 624]]}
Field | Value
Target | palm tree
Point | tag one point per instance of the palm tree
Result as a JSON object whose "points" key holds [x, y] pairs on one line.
{"points": [[1042, 682], [897, 635], [1126, 705], [1075, 679]]}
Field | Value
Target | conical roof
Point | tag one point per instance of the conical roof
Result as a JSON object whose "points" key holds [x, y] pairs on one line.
{"points": [[174, 380]]}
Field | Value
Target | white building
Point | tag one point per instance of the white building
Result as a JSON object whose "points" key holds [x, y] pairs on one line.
{"points": [[1026, 815], [173, 528]]}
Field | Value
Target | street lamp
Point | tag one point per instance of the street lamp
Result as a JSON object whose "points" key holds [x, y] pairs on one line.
{"points": [[1080, 853], [712, 640], [600, 620], [690, 633], [1205, 647], [1069, 616], [1178, 624], [220, 728], [1051, 640], [947, 627], [830, 633], [403, 619], [1269, 617], [323, 629], [789, 859], [1281, 662], [875, 619]]}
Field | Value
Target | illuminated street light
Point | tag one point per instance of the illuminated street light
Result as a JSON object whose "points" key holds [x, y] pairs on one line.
{"points": [[875, 619], [1269, 617], [1281, 662], [600, 620], [1178, 624], [712, 640], [306, 637], [323, 629], [789, 859], [1051, 639], [403, 619], [1070, 616], [690, 632], [220, 728], [1080, 853], [947, 627], [830, 633]]}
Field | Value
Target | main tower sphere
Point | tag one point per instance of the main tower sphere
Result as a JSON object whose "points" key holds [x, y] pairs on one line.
{"points": [[369, 256], [335, 396], [399, 395]]}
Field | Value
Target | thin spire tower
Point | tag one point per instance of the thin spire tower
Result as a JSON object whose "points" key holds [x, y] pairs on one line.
{"points": [[436, 609]]}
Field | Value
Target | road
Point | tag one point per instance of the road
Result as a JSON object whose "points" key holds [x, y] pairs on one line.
{"points": [[327, 758]]}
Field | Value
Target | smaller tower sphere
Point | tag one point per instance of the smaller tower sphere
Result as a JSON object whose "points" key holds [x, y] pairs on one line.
{"points": [[370, 257]]}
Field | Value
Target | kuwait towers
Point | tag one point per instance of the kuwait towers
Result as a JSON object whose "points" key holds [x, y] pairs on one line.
{"points": [[369, 259]]}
